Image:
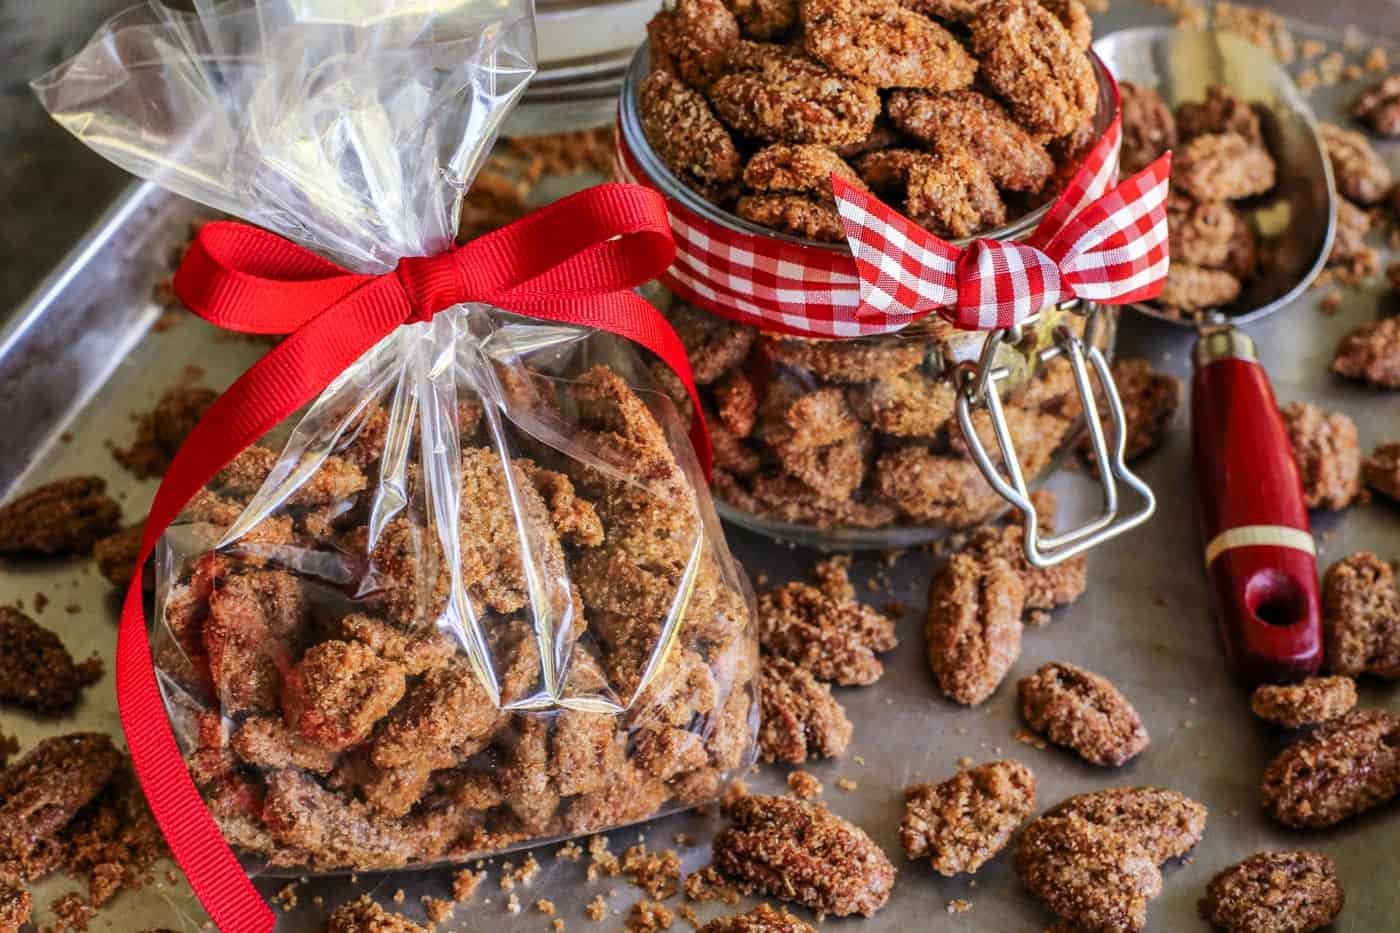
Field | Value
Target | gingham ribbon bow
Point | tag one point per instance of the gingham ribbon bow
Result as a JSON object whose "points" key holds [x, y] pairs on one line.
{"points": [[1112, 251]]}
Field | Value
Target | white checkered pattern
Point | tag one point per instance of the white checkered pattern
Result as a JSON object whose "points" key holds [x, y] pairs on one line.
{"points": [[1103, 245]]}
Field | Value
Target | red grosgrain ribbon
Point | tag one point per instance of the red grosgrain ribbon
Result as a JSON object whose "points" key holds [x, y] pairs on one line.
{"points": [[573, 262], [1113, 251]]}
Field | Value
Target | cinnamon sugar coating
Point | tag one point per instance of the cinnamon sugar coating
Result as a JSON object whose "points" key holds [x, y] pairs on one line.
{"points": [[764, 19], [1275, 892], [1089, 875], [1074, 16], [1361, 617], [797, 169], [1084, 712], [1164, 823], [1222, 111], [1328, 454], [934, 489], [804, 853], [1201, 232], [879, 42], [800, 718], [825, 631], [1192, 288], [1382, 470], [953, 195], [962, 823], [46, 787], [713, 344], [36, 670], [1315, 700], [66, 516], [693, 40], [684, 132], [762, 919], [363, 915], [1034, 64], [1223, 167], [972, 121], [780, 95], [794, 214], [1379, 107], [1362, 175], [849, 362], [1045, 588], [1371, 354], [1342, 769], [906, 404], [974, 626]]}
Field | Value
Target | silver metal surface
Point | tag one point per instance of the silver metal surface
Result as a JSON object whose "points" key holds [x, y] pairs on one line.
{"points": [[1145, 622], [1299, 216]]}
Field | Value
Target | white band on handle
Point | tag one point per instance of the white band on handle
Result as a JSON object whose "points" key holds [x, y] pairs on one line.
{"points": [[1250, 535]]}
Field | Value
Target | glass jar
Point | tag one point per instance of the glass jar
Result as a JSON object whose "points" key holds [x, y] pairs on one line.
{"points": [[899, 439]]}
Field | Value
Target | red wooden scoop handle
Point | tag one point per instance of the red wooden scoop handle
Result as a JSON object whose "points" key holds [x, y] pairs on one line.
{"points": [[1260, 556]]}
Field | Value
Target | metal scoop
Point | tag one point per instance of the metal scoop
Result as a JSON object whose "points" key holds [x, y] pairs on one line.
{"points": [[1298, 218]]}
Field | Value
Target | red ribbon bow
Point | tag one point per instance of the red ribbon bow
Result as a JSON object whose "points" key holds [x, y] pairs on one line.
{"points": [[573, 262]]}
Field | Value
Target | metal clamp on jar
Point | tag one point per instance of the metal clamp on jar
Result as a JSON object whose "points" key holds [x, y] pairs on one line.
{"points": [[979, 387]]}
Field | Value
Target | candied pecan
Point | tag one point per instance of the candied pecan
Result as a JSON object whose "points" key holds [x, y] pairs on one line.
{"points": [[1074, 16], [446, 716], [1382, 470], [736, 401], [934, 489], [780, 95], [880, 42], [783, 498], [1361, 617], [797, 169], [631, 795], [66, 516], [116, 555], [882, 136], [419, 651], [816, 419], [1315, 700], [762, 919], [1222, 111], [1150, 399], [713, 344], [800, 716], [693, 40], [363, 915], [1164, 823], [974, 626], [342, 691], [254, 622], [1379, 107], [1083, 712], [1371, 354], [1045, 588], [764, 19], [1033, 63], [36, 670], [333, 832], [42, 791], [1275, 892], [16, 904], [962, 823], [793, 214], [732, 454], [1349, 247], [833, 637], [974, 122], [574, 518], [1191, 288], [1362, 175], [849, 361], [1089, 875], [1201, 232], [161, 431], [334, 480], [906, 404], [802, 852], [1223, 167], [1346, 767], [951, 11], [953, 195], [687, 136], [1328, 454], [266, 742], [886, 171]]}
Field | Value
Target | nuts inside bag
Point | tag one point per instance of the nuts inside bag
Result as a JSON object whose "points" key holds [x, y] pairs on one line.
{"points": [[442, 624]]}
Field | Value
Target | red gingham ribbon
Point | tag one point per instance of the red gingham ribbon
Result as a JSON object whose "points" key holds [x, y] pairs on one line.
{"points": [[1096, 242]]}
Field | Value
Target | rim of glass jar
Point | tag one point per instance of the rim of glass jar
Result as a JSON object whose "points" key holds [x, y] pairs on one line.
{"points": [[672, 187]]}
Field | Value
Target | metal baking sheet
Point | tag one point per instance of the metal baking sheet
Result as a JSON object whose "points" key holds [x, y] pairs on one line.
{"points": [[80, 360]]}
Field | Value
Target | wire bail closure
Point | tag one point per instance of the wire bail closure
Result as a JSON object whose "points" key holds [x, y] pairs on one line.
{"points": [[979, 387]]}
